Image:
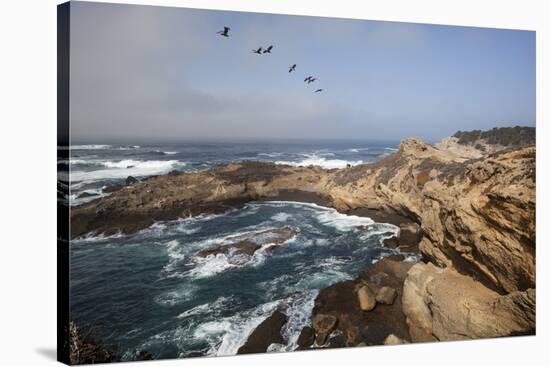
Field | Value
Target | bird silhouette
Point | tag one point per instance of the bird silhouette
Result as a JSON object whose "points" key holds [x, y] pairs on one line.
{"points": [[318, 90], [308, 79], [291, 68], [268, 50], [258, 51], [311, 80], [225, 32]]}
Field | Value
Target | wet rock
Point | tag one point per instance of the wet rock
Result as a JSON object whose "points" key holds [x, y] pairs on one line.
{"points": [[391, 242], [306, 338], [323, 326], [130, 180], [386, 295], [337, 341], [249, 245], [85, 194], [143, 355], [366, 298], [244, 247], [267, 333]]}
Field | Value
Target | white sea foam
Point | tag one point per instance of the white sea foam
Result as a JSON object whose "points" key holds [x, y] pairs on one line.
{"points": [[175, 253], [342, 222], [211, 308], [236, 329], [94, 237], [90, 147], [357, 150], [183, 294], [281, 217], [316, 160], [272, 155], [392, 149], [125, 168]]}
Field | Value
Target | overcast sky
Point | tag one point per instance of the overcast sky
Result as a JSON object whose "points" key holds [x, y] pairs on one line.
{"points": [[144, 73]]}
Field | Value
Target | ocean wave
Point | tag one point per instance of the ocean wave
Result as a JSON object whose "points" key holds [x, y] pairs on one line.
{"points": [[211, 308], [227, 335], [316, 160], [272, 155], [357, 150], [281, 217], [342, 222], [392, 149], [90, 147], [171, 298], [125, 168]]}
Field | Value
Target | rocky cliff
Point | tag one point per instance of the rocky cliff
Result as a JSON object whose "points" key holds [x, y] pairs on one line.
{"points": [[476, 215]]}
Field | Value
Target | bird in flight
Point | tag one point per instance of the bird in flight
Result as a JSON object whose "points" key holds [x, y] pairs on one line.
{"points": [[308, 79], [225, 32], [311, 80], [258, 51], [318, 90], [291, 68], [268, 50]]}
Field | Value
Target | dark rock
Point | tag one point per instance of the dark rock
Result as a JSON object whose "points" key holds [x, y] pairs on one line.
{"points": [[306, 338], [130, 180], [85, 194], [340, 300], [194, 354], [267, 333], [391, 242], [144, 356], [253, 243], [246, 247], [323, 325], [337, 341]]}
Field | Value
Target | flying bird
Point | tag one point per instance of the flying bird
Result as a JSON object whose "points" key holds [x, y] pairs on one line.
{"points": [[258, 51], [311, 80], [225, 32], [268, 50], [318, 90], [292, 68], [308, 79]]}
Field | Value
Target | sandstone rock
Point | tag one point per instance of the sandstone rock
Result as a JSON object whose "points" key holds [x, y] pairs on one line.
{"points": [[306, 338], [267, 333], [323, 326], [394, 340], [386, 295], [442, 304], [366, 298]]}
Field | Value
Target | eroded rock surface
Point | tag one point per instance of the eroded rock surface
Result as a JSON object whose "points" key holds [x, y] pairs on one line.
{"points": [[474, 215]]}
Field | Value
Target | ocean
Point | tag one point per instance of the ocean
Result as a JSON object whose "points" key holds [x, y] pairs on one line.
{"points": [[150, 291]]}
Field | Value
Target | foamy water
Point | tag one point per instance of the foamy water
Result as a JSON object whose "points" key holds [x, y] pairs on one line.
{"points": [[94, 167], [187, 304]]}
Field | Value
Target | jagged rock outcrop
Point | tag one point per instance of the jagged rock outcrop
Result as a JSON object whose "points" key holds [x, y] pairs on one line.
{"points": [[476, 219]]}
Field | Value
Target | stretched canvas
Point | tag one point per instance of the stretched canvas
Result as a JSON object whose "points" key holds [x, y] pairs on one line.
{"points": [[233, 182]]}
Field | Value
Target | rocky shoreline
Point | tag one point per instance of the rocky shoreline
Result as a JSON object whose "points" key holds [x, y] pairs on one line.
{"points": [[471, 219]]}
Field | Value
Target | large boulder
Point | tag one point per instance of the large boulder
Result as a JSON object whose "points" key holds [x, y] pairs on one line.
{"points": [[386, 295], [366, 298], [306, 338], [441, 304], [267, 333]]}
